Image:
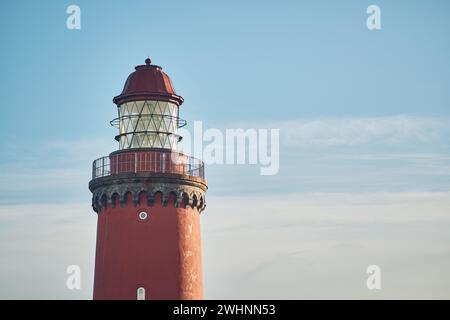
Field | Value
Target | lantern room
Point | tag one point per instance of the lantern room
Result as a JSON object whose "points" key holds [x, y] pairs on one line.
{"points": [[148, 110]]}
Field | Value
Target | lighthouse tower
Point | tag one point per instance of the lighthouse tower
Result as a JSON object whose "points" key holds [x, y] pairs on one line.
{"points": [[148, 198]]}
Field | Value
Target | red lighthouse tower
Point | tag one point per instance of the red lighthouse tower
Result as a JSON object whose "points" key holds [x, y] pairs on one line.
{"points": [[148, 198]]}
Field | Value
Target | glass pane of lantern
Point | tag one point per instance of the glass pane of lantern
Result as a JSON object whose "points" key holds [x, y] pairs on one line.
{"points": [[162, 138], [139, 124], [157, 121], [133, 124], [162, 106], [166, 124], [134, 141], [122, 142], [151, 139], [126, 124], [173, 125], [157, 143], [146, 142], [157, 108], [139, 106], [151, 106], [123, 110], [129, 108], [141, 139], [145, 120], [145, 108], [151, 124], [173, 110], [123, 125], [169, 109]]}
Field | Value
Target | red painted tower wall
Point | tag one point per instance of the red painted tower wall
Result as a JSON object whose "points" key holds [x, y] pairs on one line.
{"points": [[164, 251]]}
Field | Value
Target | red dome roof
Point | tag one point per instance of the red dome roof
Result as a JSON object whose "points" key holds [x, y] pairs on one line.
{"points": [[148, 82]]}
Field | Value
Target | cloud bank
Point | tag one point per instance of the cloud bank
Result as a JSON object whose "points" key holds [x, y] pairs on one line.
{"points": [[358, 131], [293, 246]]}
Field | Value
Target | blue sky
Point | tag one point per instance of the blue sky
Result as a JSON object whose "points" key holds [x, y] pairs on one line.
{"points": [[255, 60], [362, 115]]}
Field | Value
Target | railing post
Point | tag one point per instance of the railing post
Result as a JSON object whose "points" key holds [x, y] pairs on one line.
{"points": [[135, 162], [163, 165]]}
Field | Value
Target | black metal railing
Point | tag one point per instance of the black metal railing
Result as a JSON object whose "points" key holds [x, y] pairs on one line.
{"points": [[159, 161]]}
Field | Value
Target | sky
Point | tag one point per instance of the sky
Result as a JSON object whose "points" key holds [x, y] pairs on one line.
{"points": [[364, 140]]}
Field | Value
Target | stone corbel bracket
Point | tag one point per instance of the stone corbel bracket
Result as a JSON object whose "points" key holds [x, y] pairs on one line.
{"points": [[177, 190]]}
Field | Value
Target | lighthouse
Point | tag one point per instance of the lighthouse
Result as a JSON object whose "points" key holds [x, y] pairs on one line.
{"points": [[148, 198]]}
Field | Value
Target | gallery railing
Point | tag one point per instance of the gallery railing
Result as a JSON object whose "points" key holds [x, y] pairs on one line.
{"points": [[158, 161]]}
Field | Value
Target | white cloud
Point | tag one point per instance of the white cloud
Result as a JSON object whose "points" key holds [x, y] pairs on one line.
{"points": [[82, 149], [49, 179], [291, 246], [38, 242], [319, 245], [357, 131], [58, 169]]}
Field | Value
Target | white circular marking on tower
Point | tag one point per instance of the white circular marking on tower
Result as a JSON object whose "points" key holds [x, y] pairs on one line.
{"points": [[143, 215]]}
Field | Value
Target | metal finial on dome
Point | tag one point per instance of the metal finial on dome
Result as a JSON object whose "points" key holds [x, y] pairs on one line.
{"points": [[148, 61]]}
